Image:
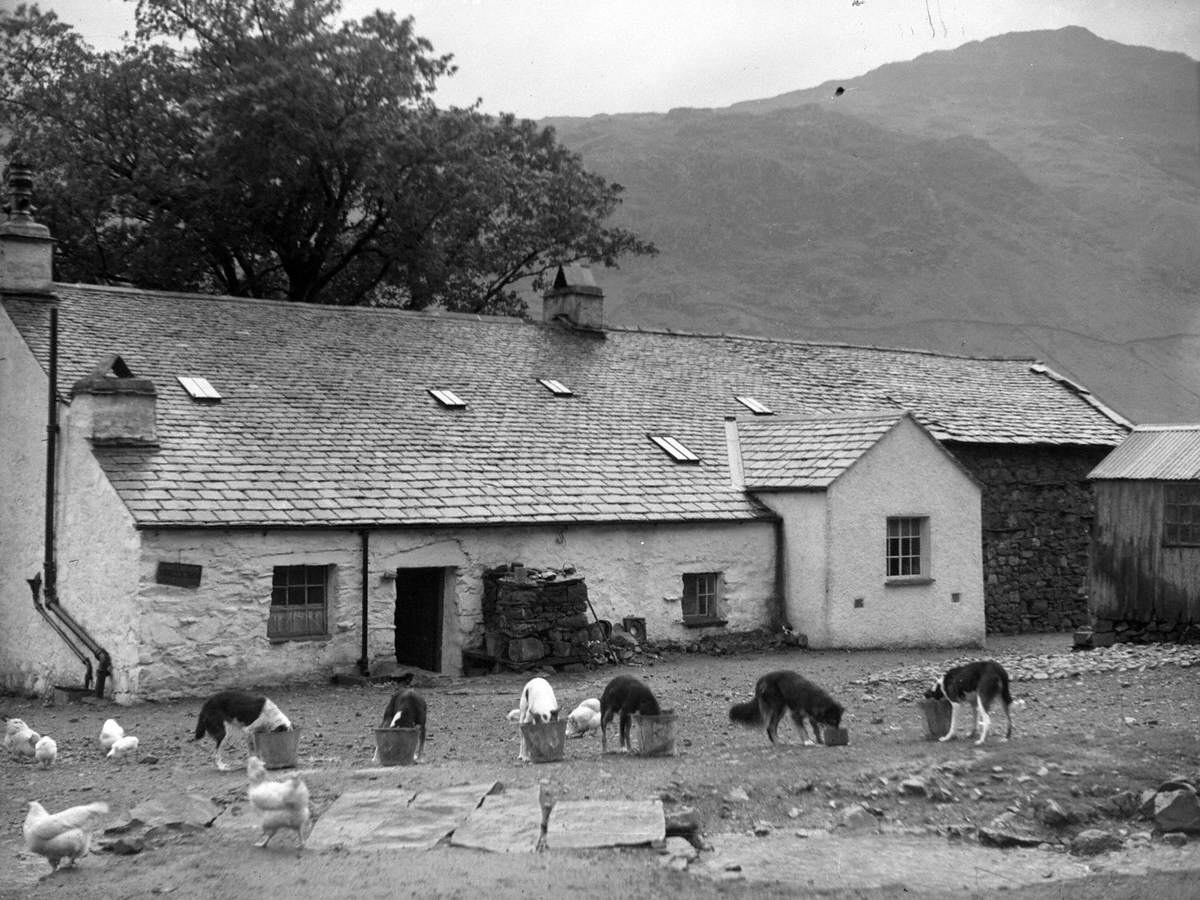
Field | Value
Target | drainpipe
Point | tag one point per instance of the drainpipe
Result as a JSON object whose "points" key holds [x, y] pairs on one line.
{"points": [[781, 618], [50, 563], [364, 667], [35, 585]]}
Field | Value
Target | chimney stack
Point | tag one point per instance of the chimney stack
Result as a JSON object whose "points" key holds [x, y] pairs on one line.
{"points": [[112, 406], [26, 248], [575, 298]]}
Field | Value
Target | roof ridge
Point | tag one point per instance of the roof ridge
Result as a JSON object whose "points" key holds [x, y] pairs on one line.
{"points": [[724, 335], [296, 304]]}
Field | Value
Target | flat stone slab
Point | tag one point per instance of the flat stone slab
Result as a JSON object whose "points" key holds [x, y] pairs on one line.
{"points": [[585, 824], [510, 822], [873, 862], [400, 819]]}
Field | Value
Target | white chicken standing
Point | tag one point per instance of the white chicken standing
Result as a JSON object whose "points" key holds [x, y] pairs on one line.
{"points": [[584, 718], [46, 751], [123, 747], [62, 835], [110, 733], [283, 804], [20, 739]]}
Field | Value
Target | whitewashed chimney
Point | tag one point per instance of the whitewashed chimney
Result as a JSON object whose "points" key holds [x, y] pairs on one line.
{"points": [[112, 406], [574, 298], [26, 248]]}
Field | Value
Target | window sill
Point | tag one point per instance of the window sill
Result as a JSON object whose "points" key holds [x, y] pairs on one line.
{"points": [[296, 638], [703, 621], [907, 581]]}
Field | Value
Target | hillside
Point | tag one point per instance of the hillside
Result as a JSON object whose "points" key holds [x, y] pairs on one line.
{"points": [[1035, 194]]}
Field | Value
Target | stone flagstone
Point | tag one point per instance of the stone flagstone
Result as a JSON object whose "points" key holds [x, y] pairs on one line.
{"points": [[580, 824], [398, 819], [510, 822]]}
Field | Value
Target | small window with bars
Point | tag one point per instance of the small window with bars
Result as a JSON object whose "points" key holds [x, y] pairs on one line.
{"points": [[675, 449], [701, 597], [199, 388], [755, 406], [1181, 515], [557, 388], [299, 603], [907, 547], [448, 399]]}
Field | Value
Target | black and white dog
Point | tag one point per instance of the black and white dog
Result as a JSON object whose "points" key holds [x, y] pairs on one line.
{"points": [[233, 710], [406, 709], [975, 686]]}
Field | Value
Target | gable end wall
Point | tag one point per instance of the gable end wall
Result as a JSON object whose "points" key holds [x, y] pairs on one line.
{"points": [[1038, 508]]}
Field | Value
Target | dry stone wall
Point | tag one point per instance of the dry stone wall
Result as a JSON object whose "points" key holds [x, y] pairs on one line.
{"points": [[1038, 508]]}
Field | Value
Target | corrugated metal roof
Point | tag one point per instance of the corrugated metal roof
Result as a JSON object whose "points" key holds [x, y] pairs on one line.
{"points": [[1154, 453], [326, 418]]}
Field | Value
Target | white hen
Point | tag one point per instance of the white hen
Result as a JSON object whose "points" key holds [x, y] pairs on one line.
{"points": [[62, 835], [46, 751], [110, 733], [20, 739], [123, 747], [584, 718], [283, 804]]}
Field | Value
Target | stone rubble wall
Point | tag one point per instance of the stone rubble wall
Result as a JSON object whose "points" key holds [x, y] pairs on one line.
{"points": [[1038, 508], [532, 615]]}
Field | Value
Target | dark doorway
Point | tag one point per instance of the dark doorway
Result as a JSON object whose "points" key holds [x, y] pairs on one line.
{"points": [[419, 617]]}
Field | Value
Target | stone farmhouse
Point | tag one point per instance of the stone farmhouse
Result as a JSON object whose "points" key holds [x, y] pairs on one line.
{"points": [[248, 491]]}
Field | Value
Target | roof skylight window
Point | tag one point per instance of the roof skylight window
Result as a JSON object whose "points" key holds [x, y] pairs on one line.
{"points": [[448, 399], [674, 448], [556, 387], [759, 409], [199, 388]]}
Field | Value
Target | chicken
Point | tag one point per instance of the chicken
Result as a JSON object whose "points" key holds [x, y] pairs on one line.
{"points": [[20, 739], [584, 718], [283, 804], [46, 751], [110, 733], [62, 835], [123, 747]]}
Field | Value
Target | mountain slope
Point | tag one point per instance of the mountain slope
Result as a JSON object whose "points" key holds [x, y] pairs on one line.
{"points": [[1035, 194]]}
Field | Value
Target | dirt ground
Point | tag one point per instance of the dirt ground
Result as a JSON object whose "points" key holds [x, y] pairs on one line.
{"points": [[775, 818]]}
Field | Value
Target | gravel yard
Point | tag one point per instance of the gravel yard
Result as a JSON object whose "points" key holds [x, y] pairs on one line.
{"points": [[1098, 728]]}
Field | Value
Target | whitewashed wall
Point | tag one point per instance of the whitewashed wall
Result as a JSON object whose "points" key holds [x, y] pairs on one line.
{"points": [[806, 559], [96, 543], [905, 474], [192, 640]]}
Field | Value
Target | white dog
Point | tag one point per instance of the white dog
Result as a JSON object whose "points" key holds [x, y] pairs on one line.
{"points": [[584, 718], [538, 704]]}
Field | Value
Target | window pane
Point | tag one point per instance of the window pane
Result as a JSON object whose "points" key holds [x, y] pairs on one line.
{"points": [[902, 547]]}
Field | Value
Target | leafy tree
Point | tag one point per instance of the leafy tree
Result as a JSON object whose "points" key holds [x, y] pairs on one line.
{"points": [[268, 148]]}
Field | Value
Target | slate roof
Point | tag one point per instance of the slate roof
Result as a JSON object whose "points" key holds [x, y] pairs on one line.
{"points": [[326, 416], [807, 453], [1154, 453]]}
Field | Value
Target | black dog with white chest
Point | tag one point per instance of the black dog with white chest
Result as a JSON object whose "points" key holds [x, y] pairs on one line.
{"points": [[975, 686], [406, 709], [234, 709]]}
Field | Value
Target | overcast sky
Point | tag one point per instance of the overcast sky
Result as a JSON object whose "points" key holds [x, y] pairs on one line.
{"points": [[540, 58]]}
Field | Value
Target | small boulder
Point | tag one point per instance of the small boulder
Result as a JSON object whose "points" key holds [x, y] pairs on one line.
{"points": [[1094, 841], [857, 817], [1177, 810]]}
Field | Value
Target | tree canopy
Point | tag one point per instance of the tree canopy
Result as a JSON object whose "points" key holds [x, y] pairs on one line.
{"points": [[270, 148]]}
